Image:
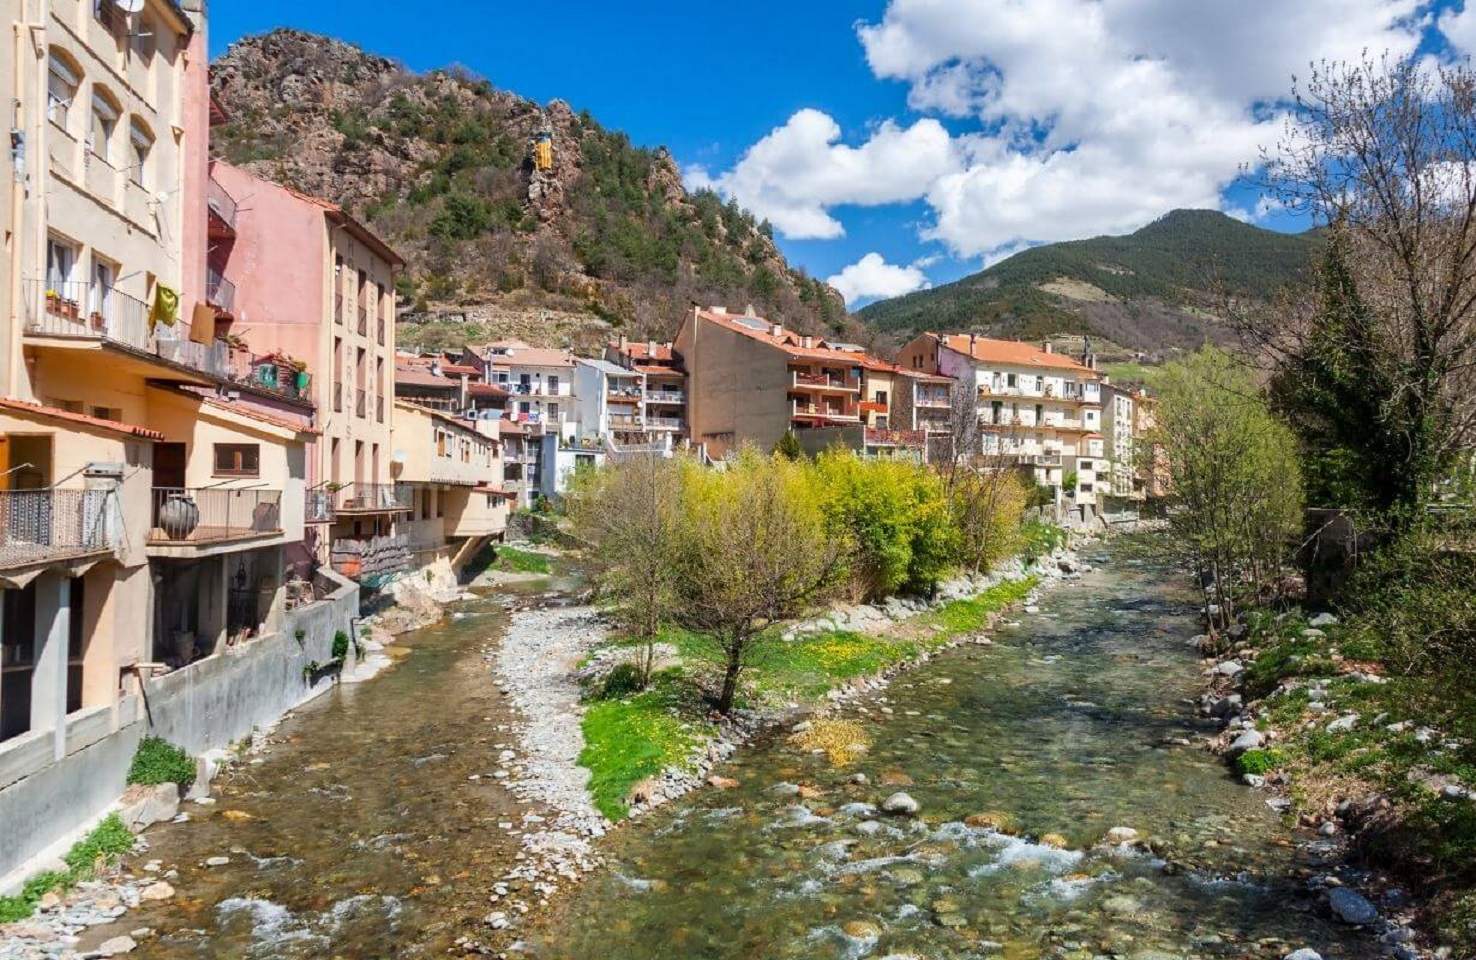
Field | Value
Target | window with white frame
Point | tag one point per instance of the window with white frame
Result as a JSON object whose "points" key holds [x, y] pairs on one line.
{"points": [[61, 89], [104, 122], [141, 145], [141, 40], [104, 276]]}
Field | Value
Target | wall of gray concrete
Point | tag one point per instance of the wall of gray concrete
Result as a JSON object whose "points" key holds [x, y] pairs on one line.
{"points": [[205, 706]]}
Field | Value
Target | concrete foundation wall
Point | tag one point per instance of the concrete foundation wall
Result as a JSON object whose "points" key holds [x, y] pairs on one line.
{"points": [[205, 706]]}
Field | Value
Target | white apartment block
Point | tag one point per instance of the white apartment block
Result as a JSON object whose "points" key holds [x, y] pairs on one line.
{"points": [[539, 381]]}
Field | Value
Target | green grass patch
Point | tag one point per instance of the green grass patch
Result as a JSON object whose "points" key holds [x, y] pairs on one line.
{"points": [[1259, 762], [809, 666], [513, 560], [972, 614], [628, 740], [1038, 538], [108, 841], [159, 761], [1129, 371]]}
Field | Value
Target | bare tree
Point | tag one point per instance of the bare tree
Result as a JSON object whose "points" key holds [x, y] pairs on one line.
{"points": [[630, 516], [1381, 357], [759, 551]]}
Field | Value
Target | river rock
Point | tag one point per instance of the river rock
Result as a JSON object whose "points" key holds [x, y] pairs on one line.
{"points": [[156, 891], [142, 806], [1122, 835], [1228, 668], [1343, 724], [1249, 740], [1306, 953], [722, 783], [1121, 906], [217, 861], [115, 946], [861, 929], [1351, 907], [900, 804], [1322, 620]]}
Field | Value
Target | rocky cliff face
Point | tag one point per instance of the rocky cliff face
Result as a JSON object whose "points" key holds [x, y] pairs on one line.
{"points": [[440, 165]]}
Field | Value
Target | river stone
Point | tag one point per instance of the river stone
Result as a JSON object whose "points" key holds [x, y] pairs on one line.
{"points": [[1249, 740], [1122, 835], [907, 876], [1351, 907], [217, 861], [785, 789], [1121, 906], [156, 891], [1306, 953], [143, 806], [1343, 724], [861, 929], [1322, 620], [1230, 668], [115, 946], [901, 804]]}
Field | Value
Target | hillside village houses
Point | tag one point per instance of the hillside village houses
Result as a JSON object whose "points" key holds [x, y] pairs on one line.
{"points": [[210, 446]]}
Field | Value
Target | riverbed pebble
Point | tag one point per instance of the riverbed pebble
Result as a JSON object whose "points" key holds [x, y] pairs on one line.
{"points": [[1351, 907]]}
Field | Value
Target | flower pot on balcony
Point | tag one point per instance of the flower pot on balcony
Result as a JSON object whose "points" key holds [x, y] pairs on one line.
{"points": [[98, 323], [178, 516], [69, 309]]}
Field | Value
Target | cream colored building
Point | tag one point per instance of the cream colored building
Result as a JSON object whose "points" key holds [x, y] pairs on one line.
{"points": [[1036, 407]]}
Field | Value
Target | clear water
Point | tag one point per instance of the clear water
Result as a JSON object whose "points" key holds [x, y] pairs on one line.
{"points": [[1067, 726]]}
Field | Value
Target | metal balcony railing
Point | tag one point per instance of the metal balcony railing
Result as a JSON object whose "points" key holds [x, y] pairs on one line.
{"points": [[51, 524], [221, 203], [829, 381], [212, 514], [91, 311], [320, 504], [219, 292], [665, 396], [373, 498]]}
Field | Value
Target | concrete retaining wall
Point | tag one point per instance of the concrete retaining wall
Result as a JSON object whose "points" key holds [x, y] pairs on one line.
{"points": [[45, 805]]}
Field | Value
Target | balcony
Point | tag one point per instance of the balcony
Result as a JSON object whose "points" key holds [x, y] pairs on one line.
{"points": [[320, 507], [50, 525], [213, 515], [626, 421], [84, 315], [820, 412], [220, 293], [666, 396], [362, 498], [222, 207], [533, 390], [934, 400], [824, 382], [665, 423]]}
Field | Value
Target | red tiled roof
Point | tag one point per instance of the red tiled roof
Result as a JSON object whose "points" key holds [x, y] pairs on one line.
{"points": [[1010, 351], [793, 343], [647, 368], [460, 368], [263, 416], [56, 413], [486, 390], [420, 377], [643, 351]]}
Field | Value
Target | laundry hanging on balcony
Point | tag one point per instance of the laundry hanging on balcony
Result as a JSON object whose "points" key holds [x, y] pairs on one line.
{"points": [[166, 307]]}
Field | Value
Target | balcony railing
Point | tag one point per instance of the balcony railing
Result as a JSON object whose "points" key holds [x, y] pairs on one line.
{"points": [[89, 311], [933, 400], [219, 292], [320, 504], [625, 420], [798, 409], [221, 204], [665, 396], [373, 498], [213, 514], [665, 423], [361, 403], [826, 381], [38, 526]]}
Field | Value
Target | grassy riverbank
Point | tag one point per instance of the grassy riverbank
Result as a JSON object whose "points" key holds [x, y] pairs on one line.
{"points": [[630, 737], [1393, 752]]}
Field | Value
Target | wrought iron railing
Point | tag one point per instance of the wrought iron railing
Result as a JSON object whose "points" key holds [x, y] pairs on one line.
{"points": [[221, 203], [219, 291], [52, 524], [319, 506], [192, 515], [93, 311]]}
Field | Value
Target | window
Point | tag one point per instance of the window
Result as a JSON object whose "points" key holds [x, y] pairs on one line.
{"points": [[1011, 380], [104, 275], [553, 411], [61, 88], [61, 261], [141, 144], [553, 385], [111, 16], [108, 413], [880, 396], [104, 122], [237, 459], [141, 41]]}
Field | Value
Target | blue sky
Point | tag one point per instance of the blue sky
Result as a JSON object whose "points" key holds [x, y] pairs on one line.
{"points": [[912, 141]]}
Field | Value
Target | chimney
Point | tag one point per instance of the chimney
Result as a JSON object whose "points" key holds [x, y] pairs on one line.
{"points": [[719, 309], [1048, 347], [973, 339], [435, 368], [776, 329], [748, 311], [651, 349], [809, 342], [623, 343]]}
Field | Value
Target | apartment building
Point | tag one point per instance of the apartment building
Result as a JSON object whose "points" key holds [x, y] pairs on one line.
{"points": [[750, 380], [522, 461], [151, 481], [539, 382], [314, 285], [611, 404], [453, 472], [1119, 421], [1037, 408], [665, 400]]}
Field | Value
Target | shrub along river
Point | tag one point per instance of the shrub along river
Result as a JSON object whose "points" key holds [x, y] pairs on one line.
{"points": [[366, 838]]}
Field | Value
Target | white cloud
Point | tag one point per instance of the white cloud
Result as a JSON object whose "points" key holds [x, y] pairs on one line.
{"points": [[1459, 27], [872, 277], [1093, 116], [800, 170]]}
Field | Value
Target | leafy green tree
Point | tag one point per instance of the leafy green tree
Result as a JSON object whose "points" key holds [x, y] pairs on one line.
{"points": [[464, 217], [1235, 480], [789, 447]]}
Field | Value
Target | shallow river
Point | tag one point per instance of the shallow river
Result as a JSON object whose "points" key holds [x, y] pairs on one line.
{"points": [[1066, 726], [361, 835]]}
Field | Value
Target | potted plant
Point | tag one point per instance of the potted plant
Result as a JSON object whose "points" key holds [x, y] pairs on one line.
{"points": [[69, 309], [53, 302]]}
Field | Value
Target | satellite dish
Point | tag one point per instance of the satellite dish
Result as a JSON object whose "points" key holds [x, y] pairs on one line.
{"points": [[130, 6]]}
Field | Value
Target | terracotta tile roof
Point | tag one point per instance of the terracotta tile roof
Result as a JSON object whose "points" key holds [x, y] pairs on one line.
{"points": [[643, 351], [459, 369], [1012, 352], [486, 390], [649, 369], [793, 343], [56, 413], [255, 414], [523, 355], [419, 376], [923, 375]]}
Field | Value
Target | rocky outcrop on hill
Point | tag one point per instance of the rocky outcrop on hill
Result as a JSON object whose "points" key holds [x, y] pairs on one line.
{"points": [[441, 165]]}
